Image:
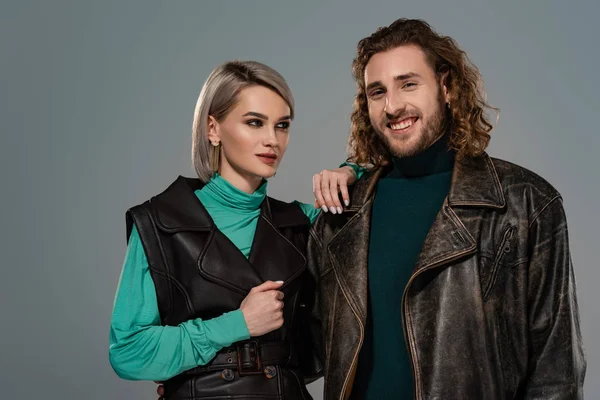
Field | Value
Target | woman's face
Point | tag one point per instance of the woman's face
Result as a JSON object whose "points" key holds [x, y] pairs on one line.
{"points": [[253, 136]]}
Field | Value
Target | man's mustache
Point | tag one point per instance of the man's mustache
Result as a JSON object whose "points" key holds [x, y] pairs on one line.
{"points": [[401, 115]]}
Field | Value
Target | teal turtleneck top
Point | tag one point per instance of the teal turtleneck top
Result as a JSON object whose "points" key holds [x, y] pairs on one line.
{"points": [[140, 347]]}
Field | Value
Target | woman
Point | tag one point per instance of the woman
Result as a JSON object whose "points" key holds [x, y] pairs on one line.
{"points": [[214, 293]]}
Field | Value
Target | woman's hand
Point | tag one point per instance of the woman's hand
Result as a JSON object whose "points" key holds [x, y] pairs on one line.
{"points": [[263, 308], [328, 184]]}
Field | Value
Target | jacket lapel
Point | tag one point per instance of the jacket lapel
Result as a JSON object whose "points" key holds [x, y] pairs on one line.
{"points": [[475, 184], [179, 211], [447, 240], [349, 247]]}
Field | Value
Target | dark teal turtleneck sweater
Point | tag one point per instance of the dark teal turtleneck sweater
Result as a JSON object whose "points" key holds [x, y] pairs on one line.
{"points": [[407, 201]]}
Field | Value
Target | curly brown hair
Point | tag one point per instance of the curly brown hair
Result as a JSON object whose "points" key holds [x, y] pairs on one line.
{"points": [[468, 123]]}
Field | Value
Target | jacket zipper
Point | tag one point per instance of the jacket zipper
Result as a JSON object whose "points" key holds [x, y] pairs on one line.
{"points": [[504, 248]]}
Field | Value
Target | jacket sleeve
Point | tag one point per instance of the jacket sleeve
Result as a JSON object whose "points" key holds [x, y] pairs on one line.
{"points": [[140, 347], [557, 361]]}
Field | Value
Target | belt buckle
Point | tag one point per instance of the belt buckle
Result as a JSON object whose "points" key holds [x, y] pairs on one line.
{"points": [[254, 352]]}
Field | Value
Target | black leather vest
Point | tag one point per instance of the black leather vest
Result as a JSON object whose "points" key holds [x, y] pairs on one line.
{"points": [[199, 273]]}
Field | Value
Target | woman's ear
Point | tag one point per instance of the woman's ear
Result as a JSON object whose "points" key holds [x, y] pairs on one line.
{"points": [[213, 130]]}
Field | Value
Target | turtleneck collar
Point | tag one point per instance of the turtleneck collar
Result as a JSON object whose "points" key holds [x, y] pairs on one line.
{"points": [[437, 158], [227, 195]]}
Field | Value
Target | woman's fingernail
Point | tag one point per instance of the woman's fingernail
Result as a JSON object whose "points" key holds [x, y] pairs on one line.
{"points": [[347, 203], [324, 208], [339, 210], [332, 209]]}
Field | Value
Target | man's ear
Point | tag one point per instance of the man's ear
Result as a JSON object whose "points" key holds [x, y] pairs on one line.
{"points": [[444, 86]]}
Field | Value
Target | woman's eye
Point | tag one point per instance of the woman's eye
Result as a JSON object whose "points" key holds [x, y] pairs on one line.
{"points": [[257, 123]]}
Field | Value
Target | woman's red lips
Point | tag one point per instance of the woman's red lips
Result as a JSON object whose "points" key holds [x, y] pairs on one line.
{"points": [[267, 158]]}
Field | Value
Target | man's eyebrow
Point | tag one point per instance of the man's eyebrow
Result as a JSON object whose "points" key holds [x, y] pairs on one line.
{"points": [[406, 76], [402, 77], [373, 85]]}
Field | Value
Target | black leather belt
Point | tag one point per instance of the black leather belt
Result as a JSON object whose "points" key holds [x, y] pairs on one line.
{"points": [[248, 357]]}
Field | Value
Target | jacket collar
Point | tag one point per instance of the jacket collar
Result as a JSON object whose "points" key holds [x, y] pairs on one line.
{"points": [[475, 183]]}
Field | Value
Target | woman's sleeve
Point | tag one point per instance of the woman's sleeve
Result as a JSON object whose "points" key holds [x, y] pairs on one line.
{"points": [[358, 170], [143, 349], [309, 210]]}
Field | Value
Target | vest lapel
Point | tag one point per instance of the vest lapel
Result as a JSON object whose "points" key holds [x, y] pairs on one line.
{"points": [[179, 211], [272, 257]]}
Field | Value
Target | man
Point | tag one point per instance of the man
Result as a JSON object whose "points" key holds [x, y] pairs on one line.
{"points": [[448, 276]]}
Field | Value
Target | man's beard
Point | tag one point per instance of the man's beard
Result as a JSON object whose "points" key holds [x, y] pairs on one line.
{"points": [[434, 129]]}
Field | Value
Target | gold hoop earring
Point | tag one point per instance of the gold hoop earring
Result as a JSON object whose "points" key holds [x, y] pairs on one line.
{"points": [[216, 155]]}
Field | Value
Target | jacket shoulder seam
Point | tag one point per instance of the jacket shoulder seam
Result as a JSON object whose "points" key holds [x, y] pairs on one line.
{"points": [[534, 217]]}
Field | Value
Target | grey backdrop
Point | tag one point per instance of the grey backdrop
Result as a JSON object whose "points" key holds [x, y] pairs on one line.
{"points": [[96, 110]]}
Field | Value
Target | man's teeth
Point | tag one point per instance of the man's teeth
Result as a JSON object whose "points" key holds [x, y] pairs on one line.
{"points": [[403, 124]]}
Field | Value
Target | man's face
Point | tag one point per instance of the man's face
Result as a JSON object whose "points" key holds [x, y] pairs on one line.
{"points": [[405, 99]]}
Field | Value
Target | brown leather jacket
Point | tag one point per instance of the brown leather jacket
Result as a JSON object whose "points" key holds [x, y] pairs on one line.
{"points": [[490, 311]]}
